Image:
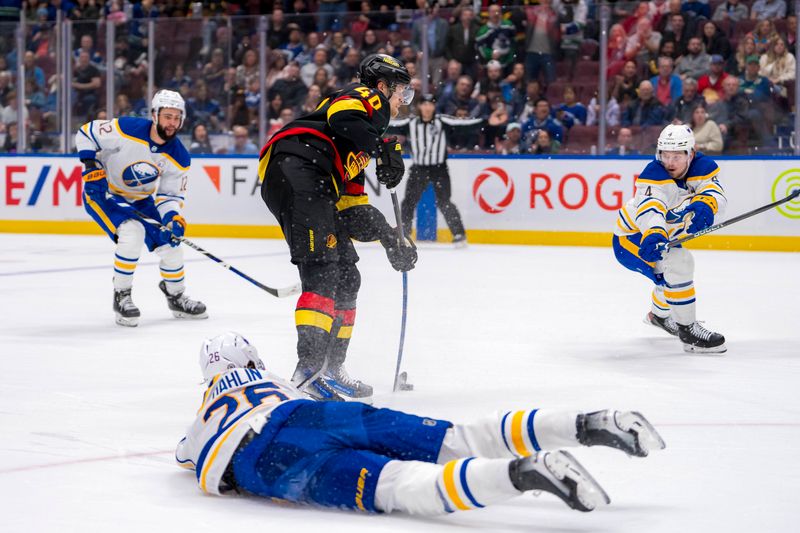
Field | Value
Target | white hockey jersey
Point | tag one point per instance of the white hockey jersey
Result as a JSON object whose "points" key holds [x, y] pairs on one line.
{"points": [[659, 199], [137, 167], [235, 402]]}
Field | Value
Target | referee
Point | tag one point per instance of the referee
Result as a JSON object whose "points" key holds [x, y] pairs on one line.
{"points": [[427, 135]]}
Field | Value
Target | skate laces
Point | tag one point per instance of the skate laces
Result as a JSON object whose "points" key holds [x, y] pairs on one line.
{"points": [[699, 331], [344, 378]]}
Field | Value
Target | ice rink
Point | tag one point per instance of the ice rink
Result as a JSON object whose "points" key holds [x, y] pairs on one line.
{"points": [[91, 412]]}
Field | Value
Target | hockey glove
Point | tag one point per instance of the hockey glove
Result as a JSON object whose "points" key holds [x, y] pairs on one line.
{"points": [[176, 225], [389, 166], [702, 208], [402, 257], [652, 246], [95, 182]]}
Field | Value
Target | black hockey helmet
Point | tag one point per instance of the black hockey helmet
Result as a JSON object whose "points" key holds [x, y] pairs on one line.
{"points": [[384, 67]]}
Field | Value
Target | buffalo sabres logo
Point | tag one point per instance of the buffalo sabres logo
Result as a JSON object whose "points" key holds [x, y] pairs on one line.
{"points": [[140, 173]]}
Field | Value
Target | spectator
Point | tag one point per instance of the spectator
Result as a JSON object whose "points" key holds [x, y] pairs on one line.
{"points": [[278, 32], [276, 67], [542, 120], [87, 45], [643, 43], [320, 61], [533, 92], [290, 87], [678, 32], [275, 106], [395, 43], [513, 87], [646, 110], [311, 44], [732, 10], [613, 112], [238, 112], [463, 138], [322, 80], [313, 98], [572, 21], [668, 23], [339, 45], [695, 62], [6, 86], [707, 135], [203, 109], [122, 106], [512, 142], [451, 78], [248, 70], [9, 112], [490, 82], [348, 70], [713, 80], [252, 97], [738, 61], [495, 39], [715, 41], [364, 20], [200, 142], [667, 49], [496, 116], [84, 10], [241, 141], [436, 36], [683, 106], [736, 117], [626, 82], [370, 44], [178, 80], [300, 15], [752, 84], [461, 41], [85, 82], [777, 65], [617, 41], [790, 34], [461, 98], [544, 143], [330, 14], [642, 10], [541, 40], [768, 9], [696, 8], [214, 72], [668, 86], [294, 45], [10, 143], [276, 124], [763, 34], [625, 144], [570, 112], [33, 72]]}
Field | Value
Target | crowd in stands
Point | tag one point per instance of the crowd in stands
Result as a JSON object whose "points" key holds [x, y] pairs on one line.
{"points": [[530, 69]]}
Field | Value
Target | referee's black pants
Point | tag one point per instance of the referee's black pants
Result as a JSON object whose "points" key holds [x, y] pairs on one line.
{"points": [[418, 179]]}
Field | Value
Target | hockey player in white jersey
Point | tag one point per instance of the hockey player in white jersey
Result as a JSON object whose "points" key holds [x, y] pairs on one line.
{"points": [[129, 160], [678, 193], [256, 433]]}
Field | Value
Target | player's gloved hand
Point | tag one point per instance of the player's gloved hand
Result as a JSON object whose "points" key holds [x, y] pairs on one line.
{"points": [[95, 182], [402, 257], [176, 225], [652, 245], [389, 165], [702, 207]]}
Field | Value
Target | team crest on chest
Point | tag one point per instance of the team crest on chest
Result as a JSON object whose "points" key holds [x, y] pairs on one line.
{"points": [[140, 173]]}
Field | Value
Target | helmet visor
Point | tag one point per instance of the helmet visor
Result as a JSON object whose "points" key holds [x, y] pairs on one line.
{"points": [[406, 94]]}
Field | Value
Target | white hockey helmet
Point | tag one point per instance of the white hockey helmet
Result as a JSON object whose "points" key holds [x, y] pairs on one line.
{"points": [[227, 351], [167, 99], [675, 138]]}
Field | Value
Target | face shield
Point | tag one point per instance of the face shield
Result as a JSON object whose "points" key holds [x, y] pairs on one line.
{"points": [[405, 94]]}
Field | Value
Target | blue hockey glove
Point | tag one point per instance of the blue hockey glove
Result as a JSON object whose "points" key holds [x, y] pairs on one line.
{"points": [[652, 246], [95, 182], [176, 225], [703, 209]]}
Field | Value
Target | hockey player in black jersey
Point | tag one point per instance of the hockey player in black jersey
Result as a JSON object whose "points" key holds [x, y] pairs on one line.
{"points": [[312, 174]]}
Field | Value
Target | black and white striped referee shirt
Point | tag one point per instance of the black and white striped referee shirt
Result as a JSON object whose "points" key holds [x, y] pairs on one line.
{"points": [[428, 140]]}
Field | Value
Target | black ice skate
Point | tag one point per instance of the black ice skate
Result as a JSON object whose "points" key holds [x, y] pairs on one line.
{"points": [[348, 388], [697, 339], [127, 314], [628, 431], [181, 306], [561, 474], [666, 324]]}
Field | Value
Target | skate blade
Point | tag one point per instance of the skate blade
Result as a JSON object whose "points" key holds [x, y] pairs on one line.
{"points": [[688, 348], [649, 322], [131, 322], [646, 435], [181, 314], [460, 245], [563, 465]]}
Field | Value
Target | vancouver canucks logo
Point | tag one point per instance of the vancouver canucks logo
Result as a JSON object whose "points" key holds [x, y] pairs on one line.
{"points": [[140, 173]]}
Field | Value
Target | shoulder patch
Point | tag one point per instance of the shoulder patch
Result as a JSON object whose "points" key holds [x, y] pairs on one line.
{"points": [[702, 167], [178, 153], [136, 127]]}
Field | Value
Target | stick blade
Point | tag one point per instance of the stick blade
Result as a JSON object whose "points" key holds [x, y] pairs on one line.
{"points": [[289, 291]]}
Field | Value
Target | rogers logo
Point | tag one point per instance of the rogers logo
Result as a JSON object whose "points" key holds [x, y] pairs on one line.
{"points": [[508, 185]]}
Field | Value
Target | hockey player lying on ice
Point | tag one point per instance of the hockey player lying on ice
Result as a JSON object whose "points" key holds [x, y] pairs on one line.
{"points": [[255, 433]]}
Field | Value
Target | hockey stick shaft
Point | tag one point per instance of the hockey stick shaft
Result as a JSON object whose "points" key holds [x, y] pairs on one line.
{"points": [[280, 293], [733, 220], [399, 218]]}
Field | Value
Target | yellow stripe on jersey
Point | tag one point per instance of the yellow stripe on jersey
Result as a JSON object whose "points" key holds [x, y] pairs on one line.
{"points": [[129, 137], [347, 201], [262, 164], [651, 182], [632, 248], [628, 219], [322, 104], [655, 229], [97, 209], [707, 176], [348, 104], [449, 475], [710, 186], [652, 204], [516, 434], [345, 332], [137, 195], [307, 317], [174, 162]]}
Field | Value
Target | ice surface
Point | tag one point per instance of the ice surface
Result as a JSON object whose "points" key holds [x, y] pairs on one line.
{"points": [[90, 411]]}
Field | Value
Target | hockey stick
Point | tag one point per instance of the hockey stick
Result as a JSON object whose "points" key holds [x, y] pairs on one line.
{"points": [[280, 293], [401, 379], [715, 227]]}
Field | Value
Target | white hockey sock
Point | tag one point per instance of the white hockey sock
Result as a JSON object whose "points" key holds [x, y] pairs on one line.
{"points": [[130, 237], [171, 266], [681, 300], [427, 489], [659, 305], [510, 434]]}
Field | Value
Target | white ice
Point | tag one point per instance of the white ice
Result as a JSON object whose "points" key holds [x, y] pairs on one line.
{"points": [[90, 411]]}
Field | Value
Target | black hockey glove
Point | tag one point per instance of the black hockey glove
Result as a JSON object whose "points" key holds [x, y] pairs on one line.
{"points": [[389, 165], [402, 257]]}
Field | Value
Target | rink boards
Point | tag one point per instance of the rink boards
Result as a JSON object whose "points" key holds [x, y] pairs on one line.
{"points": [[510, 200]]}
